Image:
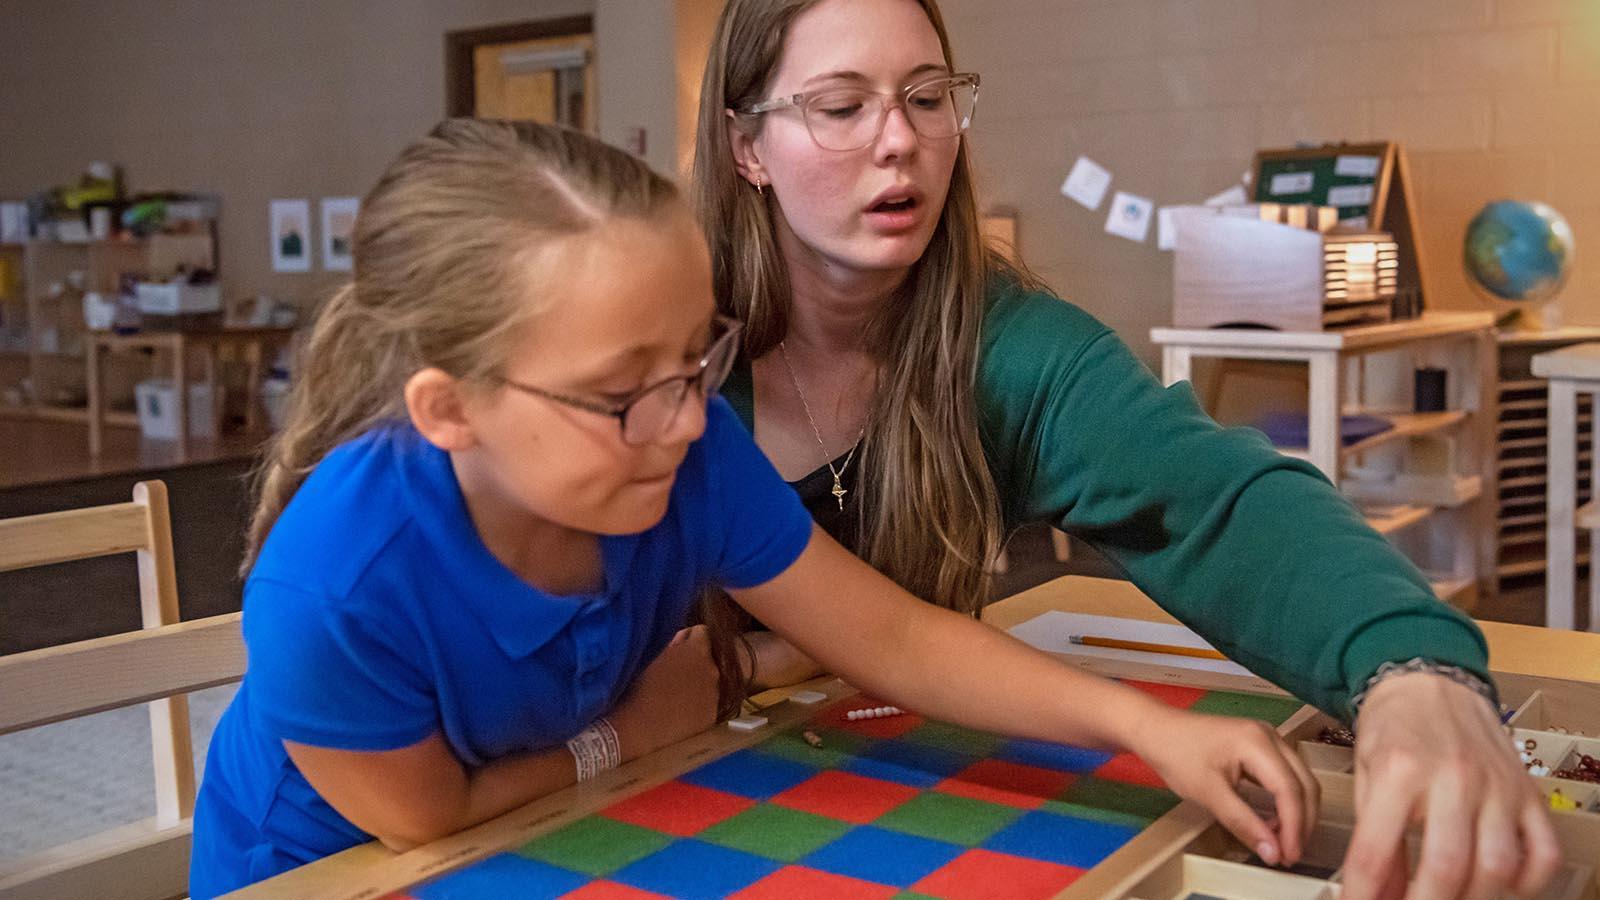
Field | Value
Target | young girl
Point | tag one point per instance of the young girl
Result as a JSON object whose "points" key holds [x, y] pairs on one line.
{"points": [[501, 486]]}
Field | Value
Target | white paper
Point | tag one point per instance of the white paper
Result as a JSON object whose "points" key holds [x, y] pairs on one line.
{"points": [[1087, 183], [1350, 195], [1356, 166], [1166, 229], [290, 234], [1292, 183], [1051, 631], [1231, 197], [1248, 177], [338, 232], [1130, 217]]}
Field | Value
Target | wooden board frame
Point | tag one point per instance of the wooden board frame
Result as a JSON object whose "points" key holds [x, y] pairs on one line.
{"points": [[369, 872]]}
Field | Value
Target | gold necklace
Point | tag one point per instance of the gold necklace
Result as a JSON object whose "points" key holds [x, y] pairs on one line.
{"points": [[839, 490]]}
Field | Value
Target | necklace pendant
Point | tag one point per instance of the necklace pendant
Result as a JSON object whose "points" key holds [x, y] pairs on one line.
{"points": [[839, 491]]}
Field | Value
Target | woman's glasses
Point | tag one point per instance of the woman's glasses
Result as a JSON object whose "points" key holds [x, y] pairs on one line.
{"points": [[852, 118], [649, 412]]}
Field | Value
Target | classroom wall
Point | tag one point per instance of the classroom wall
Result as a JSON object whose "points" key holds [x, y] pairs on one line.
{"points": [[1490, 99], [249, 100]]}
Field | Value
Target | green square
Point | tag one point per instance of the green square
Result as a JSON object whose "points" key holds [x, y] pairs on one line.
{"points": [[837, 748], [1272, 710], [954, 737], [595, 846], [946, 817], [775, 832], [1096, 814], [1119, 796]]}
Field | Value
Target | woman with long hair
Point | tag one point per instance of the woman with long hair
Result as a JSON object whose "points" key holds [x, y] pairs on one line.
{"points": [[925, 397]]}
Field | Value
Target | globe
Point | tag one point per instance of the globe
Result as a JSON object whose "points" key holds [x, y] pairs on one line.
{"points": [[1518, 252]]}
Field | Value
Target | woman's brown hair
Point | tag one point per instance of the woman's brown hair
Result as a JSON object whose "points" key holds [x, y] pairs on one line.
{"points": [[930, 517]]}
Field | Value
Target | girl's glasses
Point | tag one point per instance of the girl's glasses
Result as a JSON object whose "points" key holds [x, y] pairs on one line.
{"points": [[852, 118], [650, 411]]}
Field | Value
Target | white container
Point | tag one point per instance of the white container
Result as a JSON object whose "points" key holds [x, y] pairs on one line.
{"points": [[274, 396], [176, 298], [158, 409]]}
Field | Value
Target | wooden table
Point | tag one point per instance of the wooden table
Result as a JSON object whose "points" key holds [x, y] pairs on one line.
{"points": [[1571, 371], [252, 343], [371, 871]]}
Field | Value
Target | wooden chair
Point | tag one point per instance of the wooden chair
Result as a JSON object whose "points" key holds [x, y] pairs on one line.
{"points": [[158, 665]]}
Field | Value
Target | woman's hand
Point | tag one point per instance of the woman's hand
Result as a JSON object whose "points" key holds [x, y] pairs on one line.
{"points": [[674, 697], [1432, 751], [1204, 758]]}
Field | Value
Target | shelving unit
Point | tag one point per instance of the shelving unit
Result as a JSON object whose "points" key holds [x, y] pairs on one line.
{"points": [[1522, 454], [55, 276], [1424, 483]]}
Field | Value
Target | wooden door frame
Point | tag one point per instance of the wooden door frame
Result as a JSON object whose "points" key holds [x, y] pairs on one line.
{"points": [[460, 88]]}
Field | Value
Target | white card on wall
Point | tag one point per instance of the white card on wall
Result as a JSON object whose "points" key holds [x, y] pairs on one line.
{"points": [[1234, 196], [1292, 183], [1130, 217], [1356, 166], [1087, 182], [1350, 195], [1166, 229]]}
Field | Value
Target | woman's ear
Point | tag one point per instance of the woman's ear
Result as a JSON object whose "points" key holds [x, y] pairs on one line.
{"points": [[435, 402], [745, 158]]}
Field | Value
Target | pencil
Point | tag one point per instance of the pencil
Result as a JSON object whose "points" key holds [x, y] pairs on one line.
{"points": [[1089, 640]]}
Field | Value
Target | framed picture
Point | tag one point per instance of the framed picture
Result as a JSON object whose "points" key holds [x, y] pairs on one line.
{"points": [[338, 231], [291, 236]]}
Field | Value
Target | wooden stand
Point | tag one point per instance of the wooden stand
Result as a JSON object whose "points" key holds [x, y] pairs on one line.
{"points": [[1423, 480], [252, 344]]}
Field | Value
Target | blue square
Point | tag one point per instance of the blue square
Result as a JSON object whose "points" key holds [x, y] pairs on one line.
{"points": [[750, 774], [886, 857], [693, 869], [502, 875], [1060, 839], [1053, 756], [918, 765]]}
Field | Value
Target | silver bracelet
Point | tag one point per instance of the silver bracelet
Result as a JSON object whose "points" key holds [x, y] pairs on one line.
{"points": [[1465, 677], [595, 749]]}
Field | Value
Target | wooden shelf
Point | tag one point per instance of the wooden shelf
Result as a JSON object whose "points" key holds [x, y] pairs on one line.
{"points": [[1444, 491], [1430, 326], [1406, 425], [1387, 520]]}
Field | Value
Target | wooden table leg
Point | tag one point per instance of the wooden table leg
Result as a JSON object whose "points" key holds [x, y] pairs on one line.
{"points": [[1560, 506], [252, 384], [91, 373], [180, 349]]}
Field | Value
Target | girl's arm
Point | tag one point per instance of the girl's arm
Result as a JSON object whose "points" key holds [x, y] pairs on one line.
{"points": [[859, 624], [420, 793]]}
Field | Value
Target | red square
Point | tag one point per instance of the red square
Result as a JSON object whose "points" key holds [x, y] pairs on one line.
{"points": [[1170, 694], [1008, 783], [1131, 769], [888, 727], [845, 796], [986, 875], [611, 890], [798, 881], [678, 808]]}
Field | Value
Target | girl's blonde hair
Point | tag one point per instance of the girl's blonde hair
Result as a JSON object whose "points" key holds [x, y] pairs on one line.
{"points": [[931, 515], [442, 247]]}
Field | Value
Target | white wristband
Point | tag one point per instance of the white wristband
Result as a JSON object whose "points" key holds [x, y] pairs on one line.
{"points": [[595, 749]]}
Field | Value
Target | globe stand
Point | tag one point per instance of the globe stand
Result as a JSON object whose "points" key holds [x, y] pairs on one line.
{"points": [[1544, 317]]}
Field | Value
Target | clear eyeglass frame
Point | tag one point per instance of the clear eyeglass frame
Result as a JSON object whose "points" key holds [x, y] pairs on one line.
{"points": [[960, 88]]}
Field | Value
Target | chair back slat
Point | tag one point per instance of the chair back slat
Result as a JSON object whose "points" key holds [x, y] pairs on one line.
{"points": [[59, 537]]}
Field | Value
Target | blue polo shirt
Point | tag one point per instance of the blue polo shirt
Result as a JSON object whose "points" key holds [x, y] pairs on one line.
{"points": [[375, 617]]}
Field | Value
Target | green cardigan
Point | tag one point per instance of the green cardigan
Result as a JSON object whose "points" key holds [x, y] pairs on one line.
{"points": [[1257, 552]]}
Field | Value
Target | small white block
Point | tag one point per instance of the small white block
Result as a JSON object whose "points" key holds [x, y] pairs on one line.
{"points": [[808, 698], [747, 723]]}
